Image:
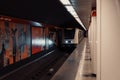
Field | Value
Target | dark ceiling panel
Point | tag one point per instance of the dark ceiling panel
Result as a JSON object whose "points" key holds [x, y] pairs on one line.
{"points": [[93, 4], [45, 11], [83, 9]]}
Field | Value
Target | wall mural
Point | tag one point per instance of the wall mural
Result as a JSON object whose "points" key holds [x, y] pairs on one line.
{"points": [[19, 41], [38, 40], [14, 42]]}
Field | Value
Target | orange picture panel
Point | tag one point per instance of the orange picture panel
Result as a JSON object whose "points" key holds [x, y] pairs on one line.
{"points": [[15, 41], [37, 36]]}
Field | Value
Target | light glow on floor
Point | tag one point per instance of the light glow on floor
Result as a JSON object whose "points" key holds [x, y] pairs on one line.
{"points": [[81, 64]]}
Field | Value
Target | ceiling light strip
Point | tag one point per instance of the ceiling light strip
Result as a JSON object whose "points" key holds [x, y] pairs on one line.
{"points": [[72, 11], [65, 2]]}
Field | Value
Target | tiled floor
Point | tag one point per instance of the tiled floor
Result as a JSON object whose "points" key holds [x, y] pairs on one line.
{"points": [[78, 66]]}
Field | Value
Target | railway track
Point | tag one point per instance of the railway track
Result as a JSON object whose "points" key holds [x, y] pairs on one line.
{"points": [[40, 69]]}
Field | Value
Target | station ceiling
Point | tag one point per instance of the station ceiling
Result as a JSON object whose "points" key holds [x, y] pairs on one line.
{"points": [[48, 11]]}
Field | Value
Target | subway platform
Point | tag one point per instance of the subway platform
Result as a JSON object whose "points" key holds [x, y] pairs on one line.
{"points": [[78, 66]]}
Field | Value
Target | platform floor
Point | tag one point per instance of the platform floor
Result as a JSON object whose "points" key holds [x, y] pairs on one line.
{"points": [[78, 66]]}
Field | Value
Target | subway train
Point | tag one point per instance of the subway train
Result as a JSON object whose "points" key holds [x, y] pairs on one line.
{"points": [[72, 37], [21, 39]]}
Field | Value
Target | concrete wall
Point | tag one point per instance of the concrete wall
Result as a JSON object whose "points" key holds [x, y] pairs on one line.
{"points": [[92, 41], [108, 38]]}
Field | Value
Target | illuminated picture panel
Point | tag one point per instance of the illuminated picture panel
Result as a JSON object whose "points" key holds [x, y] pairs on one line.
{"points": [[38, 41], [14, 42]]}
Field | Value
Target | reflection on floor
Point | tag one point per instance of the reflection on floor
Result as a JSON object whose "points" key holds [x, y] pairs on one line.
{"points": [[78, 66]]}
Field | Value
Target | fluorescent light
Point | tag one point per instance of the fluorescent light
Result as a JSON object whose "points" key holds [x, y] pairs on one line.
{"points": [[71, 10], [79, 21], [74, 14], [65, 2]]}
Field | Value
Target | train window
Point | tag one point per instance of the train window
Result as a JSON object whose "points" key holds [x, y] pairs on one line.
{"points": [[69, 34]]}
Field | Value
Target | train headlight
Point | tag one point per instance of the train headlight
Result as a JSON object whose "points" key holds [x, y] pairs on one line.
{"points": [[66, 41]]}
